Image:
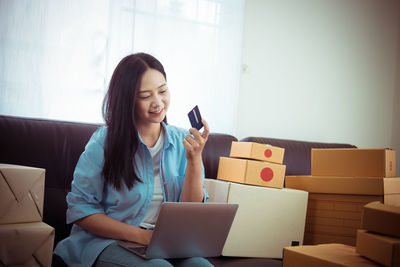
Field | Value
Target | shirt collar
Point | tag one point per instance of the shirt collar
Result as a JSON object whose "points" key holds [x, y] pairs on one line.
{"points": [[167, 137]]}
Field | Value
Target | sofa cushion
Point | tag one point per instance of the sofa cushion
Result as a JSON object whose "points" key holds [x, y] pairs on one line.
{"points": [[56, 147]]}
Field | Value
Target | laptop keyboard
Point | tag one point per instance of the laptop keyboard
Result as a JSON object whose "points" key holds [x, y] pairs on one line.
{"points": [[140, 250]]}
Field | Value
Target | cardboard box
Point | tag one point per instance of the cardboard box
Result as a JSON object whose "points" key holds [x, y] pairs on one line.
{"points": [[26, 244], [335, 206], [381, 218], [263, 152], [327, 255], [251, 172], [379, 248], [391, 189], [353, 162], [336, 185], [21, 194], [267, 220], [314, 239], [334, 218]]}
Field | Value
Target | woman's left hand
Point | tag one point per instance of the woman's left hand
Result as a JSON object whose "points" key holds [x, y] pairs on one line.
{"points": [[194, 142]]}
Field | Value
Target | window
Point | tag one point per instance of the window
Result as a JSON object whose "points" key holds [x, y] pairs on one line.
{"points": [[57, 57]]}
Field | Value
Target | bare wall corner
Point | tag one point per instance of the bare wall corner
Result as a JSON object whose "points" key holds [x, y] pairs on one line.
{"points": [[395, 142]]}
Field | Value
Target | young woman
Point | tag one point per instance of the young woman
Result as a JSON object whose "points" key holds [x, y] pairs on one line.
{"points": [[129, 167]]}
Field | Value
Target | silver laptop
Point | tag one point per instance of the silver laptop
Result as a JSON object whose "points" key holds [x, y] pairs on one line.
{"points": [[187, 229]]}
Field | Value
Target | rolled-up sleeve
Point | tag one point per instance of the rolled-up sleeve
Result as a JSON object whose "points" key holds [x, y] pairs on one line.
{"points": [[87, 186]]}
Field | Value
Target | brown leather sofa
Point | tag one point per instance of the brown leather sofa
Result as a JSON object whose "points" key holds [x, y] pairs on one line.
{"points": [[57, 145]]}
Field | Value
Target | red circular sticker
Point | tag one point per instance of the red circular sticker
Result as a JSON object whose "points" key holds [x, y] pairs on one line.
{"points": [[268, 153], [267, 174]]}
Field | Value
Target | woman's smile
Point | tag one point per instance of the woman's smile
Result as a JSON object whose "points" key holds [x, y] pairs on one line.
{"points": [[157, 113]]}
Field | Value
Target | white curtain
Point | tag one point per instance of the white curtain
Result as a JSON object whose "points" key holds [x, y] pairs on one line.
{"points": [[56, 57]]}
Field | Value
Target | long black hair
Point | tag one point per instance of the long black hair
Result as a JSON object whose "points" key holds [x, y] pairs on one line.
{"points": [[122, 138]]}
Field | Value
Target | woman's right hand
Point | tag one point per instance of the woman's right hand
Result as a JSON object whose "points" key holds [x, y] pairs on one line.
{"points": [[105, 226]]}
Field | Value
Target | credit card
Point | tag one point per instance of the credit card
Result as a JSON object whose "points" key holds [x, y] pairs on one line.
{"points": [[195, 118]]}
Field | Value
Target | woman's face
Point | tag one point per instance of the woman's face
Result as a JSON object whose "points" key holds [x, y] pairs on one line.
{"points": [[152, 99]]}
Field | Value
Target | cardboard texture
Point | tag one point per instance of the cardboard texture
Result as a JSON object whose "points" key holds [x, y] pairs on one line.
{"points": [[334, 218], [391, 189], [21, 194], [381, 218], [26, 244], [327, 255], [379, 248], [251, 150], [312, 238], [353, 162], [267, 220], [336, 185], [251, 172]]}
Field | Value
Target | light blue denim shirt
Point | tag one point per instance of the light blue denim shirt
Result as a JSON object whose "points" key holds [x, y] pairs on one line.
{"points": [[89, 194]]}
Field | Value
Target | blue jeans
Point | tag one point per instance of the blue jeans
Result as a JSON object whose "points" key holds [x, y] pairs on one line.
{"points": [[114, 255]]}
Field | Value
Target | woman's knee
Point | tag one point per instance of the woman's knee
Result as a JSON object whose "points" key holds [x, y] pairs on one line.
{"points": [[156, 263]]}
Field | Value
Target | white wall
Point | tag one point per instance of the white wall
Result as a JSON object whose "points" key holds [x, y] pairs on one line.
{"points": [[321, 71], [395, 144]]}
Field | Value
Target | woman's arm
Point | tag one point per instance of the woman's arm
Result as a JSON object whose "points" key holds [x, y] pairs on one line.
{"points": [[193, 185], [105, 226]]}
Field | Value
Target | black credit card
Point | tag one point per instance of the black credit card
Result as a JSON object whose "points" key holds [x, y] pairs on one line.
{"points": [[195, 118]]}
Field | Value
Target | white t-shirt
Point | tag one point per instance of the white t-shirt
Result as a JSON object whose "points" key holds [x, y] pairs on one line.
{"points": [[151, 216]]}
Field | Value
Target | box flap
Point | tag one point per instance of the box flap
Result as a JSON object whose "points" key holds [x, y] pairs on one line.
{"points": [[383, 208], [22, 193], [20, 242]]}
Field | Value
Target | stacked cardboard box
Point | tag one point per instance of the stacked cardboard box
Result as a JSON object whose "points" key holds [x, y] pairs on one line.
{"points": [[342, 181], [268, 219], [254, 164], [379, 238], [353, 162], [332, 255], [391, 189], [24, 239]]}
